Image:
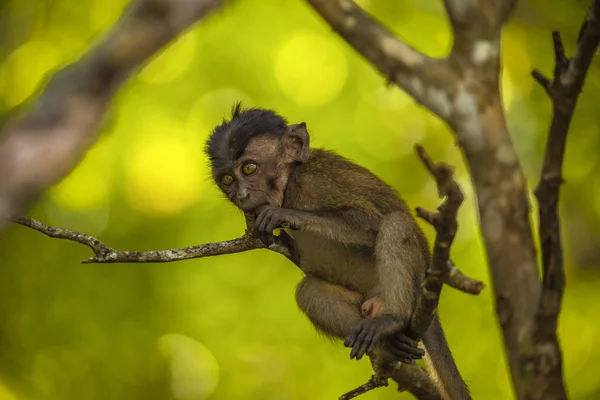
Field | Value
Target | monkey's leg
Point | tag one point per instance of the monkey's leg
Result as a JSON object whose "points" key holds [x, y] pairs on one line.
{"points": [[336, 311], [332, 309]]}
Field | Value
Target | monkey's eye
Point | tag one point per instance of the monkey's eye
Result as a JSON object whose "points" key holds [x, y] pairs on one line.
{"points": [[249, 169], [227, 180]]}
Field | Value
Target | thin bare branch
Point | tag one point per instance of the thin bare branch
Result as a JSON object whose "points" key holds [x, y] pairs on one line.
{"points": [[107, 255], [453, 277], [569, 76], [42, 146], [442, 269], [409, 377], [543, 80], [371, 384]]}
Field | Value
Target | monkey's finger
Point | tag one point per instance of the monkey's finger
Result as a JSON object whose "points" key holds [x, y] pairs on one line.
{"points": [[402, 359], [373, 342], [402, 338], [401, 355], [410, 351], [354, 351], [259, 222], [351, 339], [361, 348], [266, 223], [406, 346], [357, 344]]}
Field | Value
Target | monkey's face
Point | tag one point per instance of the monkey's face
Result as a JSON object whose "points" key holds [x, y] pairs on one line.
{"points": [[259, 176]]}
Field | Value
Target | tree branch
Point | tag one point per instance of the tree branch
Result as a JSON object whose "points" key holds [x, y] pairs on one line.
{"points": [[563, 90], [41, 147], [107, 255], [422, 77], [442, 269]]}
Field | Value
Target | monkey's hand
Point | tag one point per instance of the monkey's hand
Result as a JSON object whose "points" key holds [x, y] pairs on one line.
{"points": [[386, 327], [270, 218]]}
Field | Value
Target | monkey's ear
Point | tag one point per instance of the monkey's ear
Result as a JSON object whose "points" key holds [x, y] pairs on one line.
{"points": [[297, 142]]}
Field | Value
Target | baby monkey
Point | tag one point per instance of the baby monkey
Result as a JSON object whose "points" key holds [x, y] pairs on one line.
{"points": [[363, 255]]}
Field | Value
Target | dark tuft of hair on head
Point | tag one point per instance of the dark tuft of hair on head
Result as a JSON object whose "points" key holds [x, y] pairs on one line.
{"points": [[229, 139], [236, 110]]}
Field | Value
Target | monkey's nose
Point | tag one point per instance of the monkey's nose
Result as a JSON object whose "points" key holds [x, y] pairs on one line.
{"points": [[243, 195]]}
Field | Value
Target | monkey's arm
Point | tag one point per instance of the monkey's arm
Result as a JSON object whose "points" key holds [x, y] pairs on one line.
{"points": [[401, 255], [350, 225]]}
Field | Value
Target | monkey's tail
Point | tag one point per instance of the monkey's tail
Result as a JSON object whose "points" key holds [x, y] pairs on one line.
{"points": [[441, 364]]}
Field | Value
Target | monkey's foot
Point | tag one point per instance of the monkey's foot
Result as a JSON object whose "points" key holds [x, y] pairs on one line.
{"points": [[373, 383], [403, 348], [372, 331]]}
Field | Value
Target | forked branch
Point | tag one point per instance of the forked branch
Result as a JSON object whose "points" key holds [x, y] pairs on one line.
{"points": [[42, 146], [442, 269], [563, 90]]}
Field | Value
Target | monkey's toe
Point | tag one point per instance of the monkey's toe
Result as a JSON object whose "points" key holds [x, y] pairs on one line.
{"points": [[350, 339], [365, 341], [403, 351]]}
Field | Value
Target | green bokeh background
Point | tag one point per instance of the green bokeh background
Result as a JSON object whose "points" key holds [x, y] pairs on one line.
{"points": [[227, 327]]}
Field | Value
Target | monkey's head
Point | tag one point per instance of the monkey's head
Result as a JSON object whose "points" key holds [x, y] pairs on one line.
{"points": [[253, 154]]}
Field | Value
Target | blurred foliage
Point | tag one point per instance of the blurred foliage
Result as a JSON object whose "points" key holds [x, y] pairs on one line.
{"points": [[227, 327]]}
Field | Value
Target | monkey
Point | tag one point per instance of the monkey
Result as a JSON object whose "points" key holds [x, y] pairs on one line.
{"points": [[361, 250]]}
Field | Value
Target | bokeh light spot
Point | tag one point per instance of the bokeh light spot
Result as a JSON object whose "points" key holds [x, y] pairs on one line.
{"points": [[173, 62], [26, 75], [89, 185], [310, 69], [394, 122], [194, 369], [164, 175]]}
